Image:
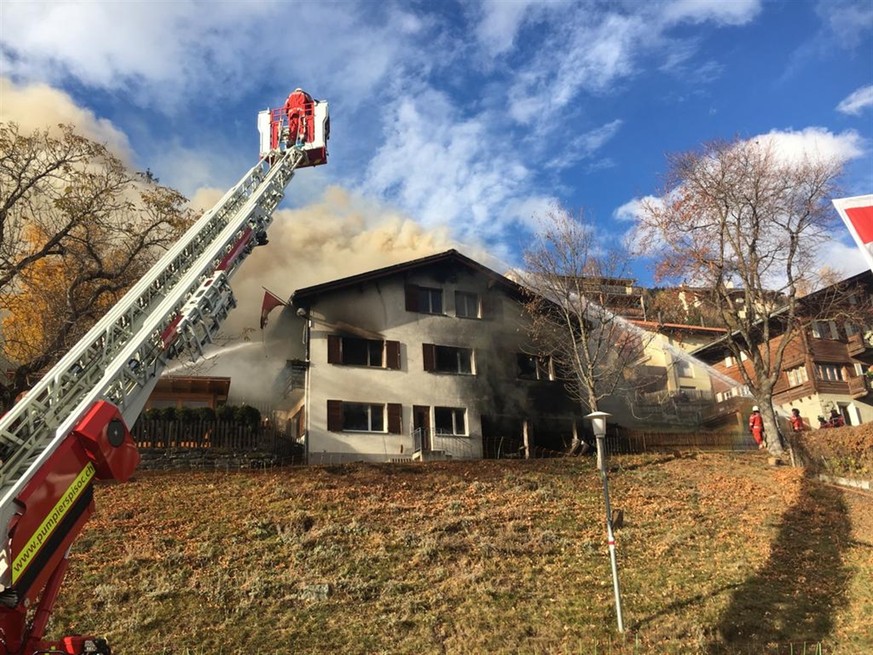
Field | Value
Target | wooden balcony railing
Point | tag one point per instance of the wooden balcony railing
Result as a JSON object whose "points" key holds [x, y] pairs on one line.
{"points": [[856, 344], [857, 386]]}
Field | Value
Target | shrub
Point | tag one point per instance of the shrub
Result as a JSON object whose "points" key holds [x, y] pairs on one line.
{"points": [[225, 412], [247, 415], [846, 451], [204, 414]]}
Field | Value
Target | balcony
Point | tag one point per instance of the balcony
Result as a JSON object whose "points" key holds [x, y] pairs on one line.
{"points": [[856, 344], [857, 386]]}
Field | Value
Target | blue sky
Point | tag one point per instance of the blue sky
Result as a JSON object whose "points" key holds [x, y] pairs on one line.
{"points": [[467, 118]]}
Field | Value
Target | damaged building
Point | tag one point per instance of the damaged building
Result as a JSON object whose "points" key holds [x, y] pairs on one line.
{"points": [[428, 359]]}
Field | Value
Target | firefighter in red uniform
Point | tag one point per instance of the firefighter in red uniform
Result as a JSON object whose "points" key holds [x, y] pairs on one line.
{"points": [[298, 108], [756, 425], [796, 421]]}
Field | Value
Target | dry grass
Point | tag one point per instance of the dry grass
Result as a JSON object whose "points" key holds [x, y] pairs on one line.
{"points": [[718, 554]]}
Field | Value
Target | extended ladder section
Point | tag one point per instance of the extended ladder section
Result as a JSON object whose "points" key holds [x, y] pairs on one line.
{"points": [[177, 307]]}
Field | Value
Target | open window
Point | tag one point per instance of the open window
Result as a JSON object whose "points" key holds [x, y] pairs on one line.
{"points": [[355, 351], [448, 359]]}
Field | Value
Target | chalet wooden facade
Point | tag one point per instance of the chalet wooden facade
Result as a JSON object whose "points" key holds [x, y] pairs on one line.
{"points": [[824, 367]]}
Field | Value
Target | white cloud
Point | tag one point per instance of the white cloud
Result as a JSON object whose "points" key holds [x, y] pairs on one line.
{"points": [[447, 169], [500, 22], [857, 101], [732, 12], [845, 21], [586, 146], [128, 46], [596, 52], [840, 256], [161, 56], [816, 143], [632, 210]]}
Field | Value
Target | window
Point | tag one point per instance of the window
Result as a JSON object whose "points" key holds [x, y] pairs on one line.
{"points": [[361, 417], [733, 392], [364, 417], [684, 369], [797, 376], [824, 330], [851, 329], [430, 301], [830, 372], [531, 367], [447, 359], [466, 304], [355, 351], [450, 420], [426, 300], [728, 361], [362, 352]]}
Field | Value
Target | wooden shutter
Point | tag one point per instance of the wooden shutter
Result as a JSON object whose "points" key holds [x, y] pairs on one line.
{"points": [[411, 298], [335, 415], [395, 418], [429, 354], [392, 355], [334, 349]]}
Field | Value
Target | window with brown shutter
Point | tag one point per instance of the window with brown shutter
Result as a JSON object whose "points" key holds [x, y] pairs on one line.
{"points": [[392, 355], [395, 418], [335, 415]]}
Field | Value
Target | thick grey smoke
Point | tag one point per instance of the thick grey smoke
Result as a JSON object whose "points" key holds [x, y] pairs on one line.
{"points": [[338, 236]]}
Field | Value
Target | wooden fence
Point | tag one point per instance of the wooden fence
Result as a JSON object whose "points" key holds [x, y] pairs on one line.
{"points": [[217, 433], [627, 443]]}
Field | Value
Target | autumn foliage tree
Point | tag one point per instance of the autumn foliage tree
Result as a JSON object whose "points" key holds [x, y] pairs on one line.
{"points": [[571, 280], [743, 220], [77, 229]]}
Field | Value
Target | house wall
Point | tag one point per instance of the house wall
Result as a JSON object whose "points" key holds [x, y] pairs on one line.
{"points": [[493, 389]]}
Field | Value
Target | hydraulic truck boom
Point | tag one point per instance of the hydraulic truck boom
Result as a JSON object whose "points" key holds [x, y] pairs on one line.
{"points": [[72, 427]]}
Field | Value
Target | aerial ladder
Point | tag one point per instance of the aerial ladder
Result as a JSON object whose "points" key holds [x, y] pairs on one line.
{"points": [[72, 427]]}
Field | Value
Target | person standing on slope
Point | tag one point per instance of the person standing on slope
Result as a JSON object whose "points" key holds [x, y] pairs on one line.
{"points": [[756, 425]]}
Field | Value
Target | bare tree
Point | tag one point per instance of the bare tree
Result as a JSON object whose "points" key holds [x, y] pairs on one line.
{"points": [[574, 287], [77, 229], [743, 221]]}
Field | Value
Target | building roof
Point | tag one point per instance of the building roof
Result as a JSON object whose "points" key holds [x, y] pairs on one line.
{"points": [[777, 318], [301, 297]]}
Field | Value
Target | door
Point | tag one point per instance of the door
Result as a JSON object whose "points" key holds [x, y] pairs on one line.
{"points": [[421, 427]]}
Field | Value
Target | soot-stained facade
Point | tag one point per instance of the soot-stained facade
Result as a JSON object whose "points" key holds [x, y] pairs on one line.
{"points": [[428, 359]]}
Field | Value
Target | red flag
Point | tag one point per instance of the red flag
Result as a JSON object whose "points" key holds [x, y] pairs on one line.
{"points": [[857, 214], [271, 301]]}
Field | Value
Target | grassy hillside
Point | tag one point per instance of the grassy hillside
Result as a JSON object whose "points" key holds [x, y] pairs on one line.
{"points": [[718, 554]]}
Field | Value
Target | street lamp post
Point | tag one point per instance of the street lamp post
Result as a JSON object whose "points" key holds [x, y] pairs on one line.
{"points": [[598, 424]]}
